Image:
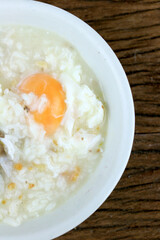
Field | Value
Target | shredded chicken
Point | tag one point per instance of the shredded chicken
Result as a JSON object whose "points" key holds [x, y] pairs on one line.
{"points": [[2, 135], [1, 149], [5, 163]]}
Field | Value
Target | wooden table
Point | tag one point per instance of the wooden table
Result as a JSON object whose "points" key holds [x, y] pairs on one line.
{"points": [[132, 29]]}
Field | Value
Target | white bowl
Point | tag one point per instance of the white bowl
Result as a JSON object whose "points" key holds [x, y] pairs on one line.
{"points": [[121, 118]]}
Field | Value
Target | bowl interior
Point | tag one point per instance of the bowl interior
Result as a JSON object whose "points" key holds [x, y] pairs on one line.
{"points": [[120, 130]]}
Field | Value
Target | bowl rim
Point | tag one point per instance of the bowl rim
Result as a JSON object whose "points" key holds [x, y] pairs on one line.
{"points": [[119, 70]]}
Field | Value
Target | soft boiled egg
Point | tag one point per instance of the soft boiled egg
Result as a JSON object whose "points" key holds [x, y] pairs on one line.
{"points": [[41, 84]]}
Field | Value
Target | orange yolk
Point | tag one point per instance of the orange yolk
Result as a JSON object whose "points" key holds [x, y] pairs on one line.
{"points": [[53, 113]]}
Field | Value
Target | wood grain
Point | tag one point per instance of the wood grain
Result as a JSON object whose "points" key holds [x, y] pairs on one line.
{"points": [[132, 29]]}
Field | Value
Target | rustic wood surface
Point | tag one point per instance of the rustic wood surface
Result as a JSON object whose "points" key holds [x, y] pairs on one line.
{"points": [[132, 29]]}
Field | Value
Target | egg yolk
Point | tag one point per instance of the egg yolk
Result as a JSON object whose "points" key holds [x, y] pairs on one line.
{"points": [[54, 111]]}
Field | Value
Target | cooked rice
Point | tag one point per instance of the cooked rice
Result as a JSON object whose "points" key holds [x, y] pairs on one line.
{"points": [[40, 171]]}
